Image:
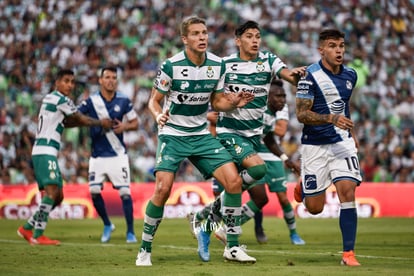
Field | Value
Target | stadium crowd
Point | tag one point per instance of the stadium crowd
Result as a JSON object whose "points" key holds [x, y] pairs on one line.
{"points": [[38, 36]]}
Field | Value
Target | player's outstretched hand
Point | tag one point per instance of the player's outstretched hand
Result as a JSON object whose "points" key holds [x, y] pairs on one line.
{"points": [[106, 123], [293, 166], [240, 99]]}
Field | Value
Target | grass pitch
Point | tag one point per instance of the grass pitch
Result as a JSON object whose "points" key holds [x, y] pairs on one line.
{"points": [[385, 246]]}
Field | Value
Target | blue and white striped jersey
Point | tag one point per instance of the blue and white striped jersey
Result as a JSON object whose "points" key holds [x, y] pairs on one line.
{"points": [[331, 94], [107, 144]]}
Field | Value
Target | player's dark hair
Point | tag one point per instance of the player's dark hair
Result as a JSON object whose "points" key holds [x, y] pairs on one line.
{"points": [[277, 82], [247, 25], [109, 68], [330, 34], [64, 72], [190, 21]]}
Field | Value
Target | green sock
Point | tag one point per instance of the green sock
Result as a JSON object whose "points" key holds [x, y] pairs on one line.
{"points": [[29, 225], [231, 217], [42, 215], [153, 217], [248, 211], [289, 217]]}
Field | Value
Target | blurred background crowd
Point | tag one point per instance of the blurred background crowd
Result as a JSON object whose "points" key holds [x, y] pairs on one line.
{"points": [[38, 36]]}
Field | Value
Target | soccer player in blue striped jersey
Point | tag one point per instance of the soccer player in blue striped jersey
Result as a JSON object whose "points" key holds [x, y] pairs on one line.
{"points": [[56, 112], [185, 86], [329, 147], [109, 159]]}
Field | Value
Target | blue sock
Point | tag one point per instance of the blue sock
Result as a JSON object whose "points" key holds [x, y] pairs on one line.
{"points": [[258, 220], [128, 212], [348, 224], [99, 204]]}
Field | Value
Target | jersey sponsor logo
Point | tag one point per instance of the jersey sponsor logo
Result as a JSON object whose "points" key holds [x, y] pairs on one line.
{"points": [[91, 176], [181, 98], [233, 88], [232, 76], [184, 85], [338, 107], [305, 82], [218, 150], [260, 67], [162, 83], [255, 90], [260, 79], [184, 72], [303, 86], [310, 182]]}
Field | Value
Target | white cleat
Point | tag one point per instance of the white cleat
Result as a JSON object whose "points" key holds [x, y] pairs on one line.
{"points": [[237, 254], [143, 258]]}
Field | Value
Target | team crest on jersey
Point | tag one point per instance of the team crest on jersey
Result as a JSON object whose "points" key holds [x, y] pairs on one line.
{"points": [[238, 149], [52, 175], [348, 85], [117, 108], [260, 66], [210, 72]]}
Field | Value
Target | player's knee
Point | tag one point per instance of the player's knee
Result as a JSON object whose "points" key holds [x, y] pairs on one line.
{"points": [[95, 190], [125, 193], [314, 208], [257, 172]]}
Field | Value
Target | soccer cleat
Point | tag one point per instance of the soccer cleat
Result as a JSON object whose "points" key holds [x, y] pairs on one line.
{"points": [[106, 235], [43, 240], [24, 233], [143, 258], [260, 236], [237, 254], [348, 258], [221, 234], [296, 239], [130, 238], [297, 193], [194, 224], [203, 239]]}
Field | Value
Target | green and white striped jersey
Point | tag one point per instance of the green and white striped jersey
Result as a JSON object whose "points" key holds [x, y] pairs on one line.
{"points": [[188, 90], [55, 107], [253, 76]]}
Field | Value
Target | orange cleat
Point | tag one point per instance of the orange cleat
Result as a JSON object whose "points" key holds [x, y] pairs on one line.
{"points": [[24, 233], [348, 258], [297, 193], [43, 240]]}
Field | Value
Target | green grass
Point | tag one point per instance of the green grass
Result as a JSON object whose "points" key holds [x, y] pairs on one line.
{"points": [[385, 246]]}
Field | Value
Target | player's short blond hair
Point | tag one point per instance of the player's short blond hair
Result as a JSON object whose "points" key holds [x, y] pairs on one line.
{"points": [[190, 21]]}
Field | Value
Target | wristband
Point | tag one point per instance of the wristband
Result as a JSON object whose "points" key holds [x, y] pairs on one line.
{"points": [[158, 118], [284, 157]]}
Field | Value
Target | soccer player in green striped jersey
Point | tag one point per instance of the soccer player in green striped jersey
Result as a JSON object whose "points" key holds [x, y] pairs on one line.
{"points": [[185, 86], [240, 130], [56, 112]]}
